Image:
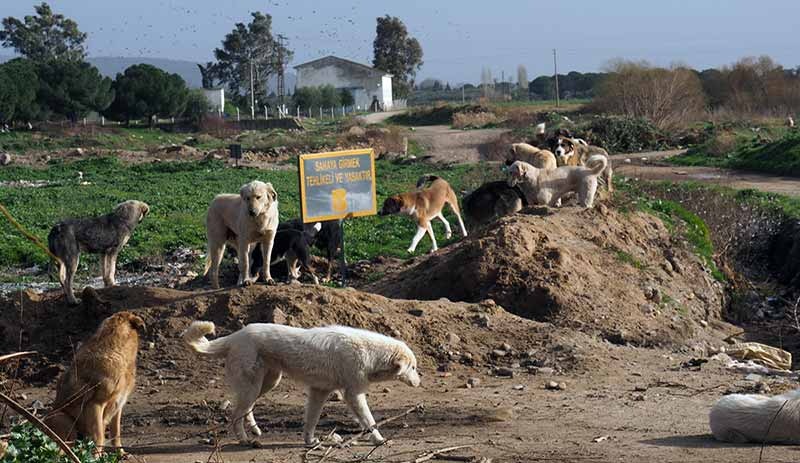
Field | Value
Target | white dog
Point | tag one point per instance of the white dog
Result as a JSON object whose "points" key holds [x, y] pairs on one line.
{"points": [[323, 359], [242, 220], [548, 186], [747, 417]]}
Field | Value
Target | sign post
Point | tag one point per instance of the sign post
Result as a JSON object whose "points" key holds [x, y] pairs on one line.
{"points": [[336, 186]]}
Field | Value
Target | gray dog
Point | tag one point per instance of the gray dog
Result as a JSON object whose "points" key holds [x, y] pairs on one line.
{"points": [[105, 235]]}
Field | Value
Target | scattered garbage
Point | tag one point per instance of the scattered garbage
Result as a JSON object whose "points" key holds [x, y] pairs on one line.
{"points": [[769, 356]]}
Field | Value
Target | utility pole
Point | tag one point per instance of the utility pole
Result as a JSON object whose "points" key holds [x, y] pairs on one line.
{"points": [[555, 75], [252, 93], [281, 80]]}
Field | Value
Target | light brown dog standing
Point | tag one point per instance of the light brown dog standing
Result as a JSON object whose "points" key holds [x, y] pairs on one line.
{"points": [[94, 390], [424, 205]]}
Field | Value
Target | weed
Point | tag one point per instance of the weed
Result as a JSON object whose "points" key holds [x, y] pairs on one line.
{"points": [[624, 257]]}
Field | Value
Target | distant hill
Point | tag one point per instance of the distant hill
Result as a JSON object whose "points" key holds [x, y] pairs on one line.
{"points": [[111, 66]]}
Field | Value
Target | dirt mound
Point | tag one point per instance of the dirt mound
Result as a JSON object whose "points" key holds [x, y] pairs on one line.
{"points": [[442, 333], [622, 275]]}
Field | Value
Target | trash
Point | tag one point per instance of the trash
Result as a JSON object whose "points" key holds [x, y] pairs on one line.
{"points": [[769, 356], [751, 367], [601, 439]]}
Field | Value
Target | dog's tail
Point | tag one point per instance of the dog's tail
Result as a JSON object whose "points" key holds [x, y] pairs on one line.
{"points": [[425, 179], [597, 163], [195, 337]]}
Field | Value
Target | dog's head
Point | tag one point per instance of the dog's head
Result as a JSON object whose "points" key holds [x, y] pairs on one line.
{"points": [[125, 320], [563, 147], [258, 197], [404, 366], [519, 171], [132, 209], [392, 205]]}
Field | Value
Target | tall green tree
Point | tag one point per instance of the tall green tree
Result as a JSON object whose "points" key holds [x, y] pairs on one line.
{"points": [[19, 85], [396, 53], [72, 89], [144, 91], [44, 36], [249, 50]]}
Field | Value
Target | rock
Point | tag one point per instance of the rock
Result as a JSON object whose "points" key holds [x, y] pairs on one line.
{"points": [[627, 160], [482, 320], [473, 382], [467, 359], [504, 372], [652, 294], [443, 367], [453, 338], [551, 385], [753, 377], [386, 390], [499, 353], [416, 312], [5, 159], [37, 405], [357, 131], [639, 397], [278, 316], [704, 323], [640, 388], [519, 387], [506, 347]]}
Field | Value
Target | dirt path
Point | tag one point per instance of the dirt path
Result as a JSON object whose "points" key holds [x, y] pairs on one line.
{"points": [[455, 146], [377, 118], [646, 166]]}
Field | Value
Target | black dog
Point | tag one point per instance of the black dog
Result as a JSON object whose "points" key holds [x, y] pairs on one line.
{"points": [[490, 201], [291, 246], [328, 239]]}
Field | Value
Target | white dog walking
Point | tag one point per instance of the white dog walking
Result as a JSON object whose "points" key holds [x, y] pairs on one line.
{"points": [[748, 417], [323, 359], [242, 220]]}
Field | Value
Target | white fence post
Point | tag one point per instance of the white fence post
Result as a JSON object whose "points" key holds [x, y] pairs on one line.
{"points": [[266, 112], [298, 110], [238, 116]]}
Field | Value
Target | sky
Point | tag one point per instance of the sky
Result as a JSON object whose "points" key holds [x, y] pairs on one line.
{"points": [[458, 37]]}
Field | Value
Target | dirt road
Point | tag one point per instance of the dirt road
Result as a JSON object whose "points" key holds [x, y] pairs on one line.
{"points": [[648, 166], [445, 144]]}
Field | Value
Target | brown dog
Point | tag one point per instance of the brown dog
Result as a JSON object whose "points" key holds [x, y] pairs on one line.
{"points": [[534, 156], [93, 391], [576, 152], [424, 205]]}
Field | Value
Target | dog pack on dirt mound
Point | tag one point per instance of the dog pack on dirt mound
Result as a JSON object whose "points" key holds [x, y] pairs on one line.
{"points": [[594, 269]]}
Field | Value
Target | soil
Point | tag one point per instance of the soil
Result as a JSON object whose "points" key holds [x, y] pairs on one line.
{"points": [[613, 399]]}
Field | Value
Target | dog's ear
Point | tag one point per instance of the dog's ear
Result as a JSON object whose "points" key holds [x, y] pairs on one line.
{"points": [[243, 191], [273, 195], [144, 210], [136, 322]]}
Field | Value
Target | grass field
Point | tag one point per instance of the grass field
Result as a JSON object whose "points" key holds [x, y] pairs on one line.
{"points": [[774, 151], [179, 194]]}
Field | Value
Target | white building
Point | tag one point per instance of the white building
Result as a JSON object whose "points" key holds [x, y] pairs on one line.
{"points": [[216, 98], [365, 83]]}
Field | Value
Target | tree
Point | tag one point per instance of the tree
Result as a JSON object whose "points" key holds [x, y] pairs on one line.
{"points": [[396, 53], [667, 97], [72, 89], [19, 85], [197, 106], [307, 98], [144, 91], [249, 51], [447, 87], [346, 97], [207, 74], [328, 97], [45, 36]]}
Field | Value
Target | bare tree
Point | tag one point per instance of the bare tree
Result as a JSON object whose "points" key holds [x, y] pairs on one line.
{"points": [[667, 97]]}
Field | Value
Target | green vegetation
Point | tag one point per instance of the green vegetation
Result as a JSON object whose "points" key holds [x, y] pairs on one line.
{"points": [[678, 220], [179, 194], [126, 138], [738, 150], [629, 259], [29, 445]]}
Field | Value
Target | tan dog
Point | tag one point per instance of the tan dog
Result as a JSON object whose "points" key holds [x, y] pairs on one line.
{"points": [[94, 390], [424, 205], [548, 186], [242, 220], [576, 152], [534, 156]]}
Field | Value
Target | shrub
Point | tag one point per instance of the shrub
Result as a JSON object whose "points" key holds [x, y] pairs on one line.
{"points": [[624, 134], [197, 107], [144, 91], [28, 444]]}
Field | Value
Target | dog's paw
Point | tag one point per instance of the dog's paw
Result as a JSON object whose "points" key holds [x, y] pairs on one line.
{"points": [[410, 250], [375, 438], [311, 441], [447, 236], [269, 281]]}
